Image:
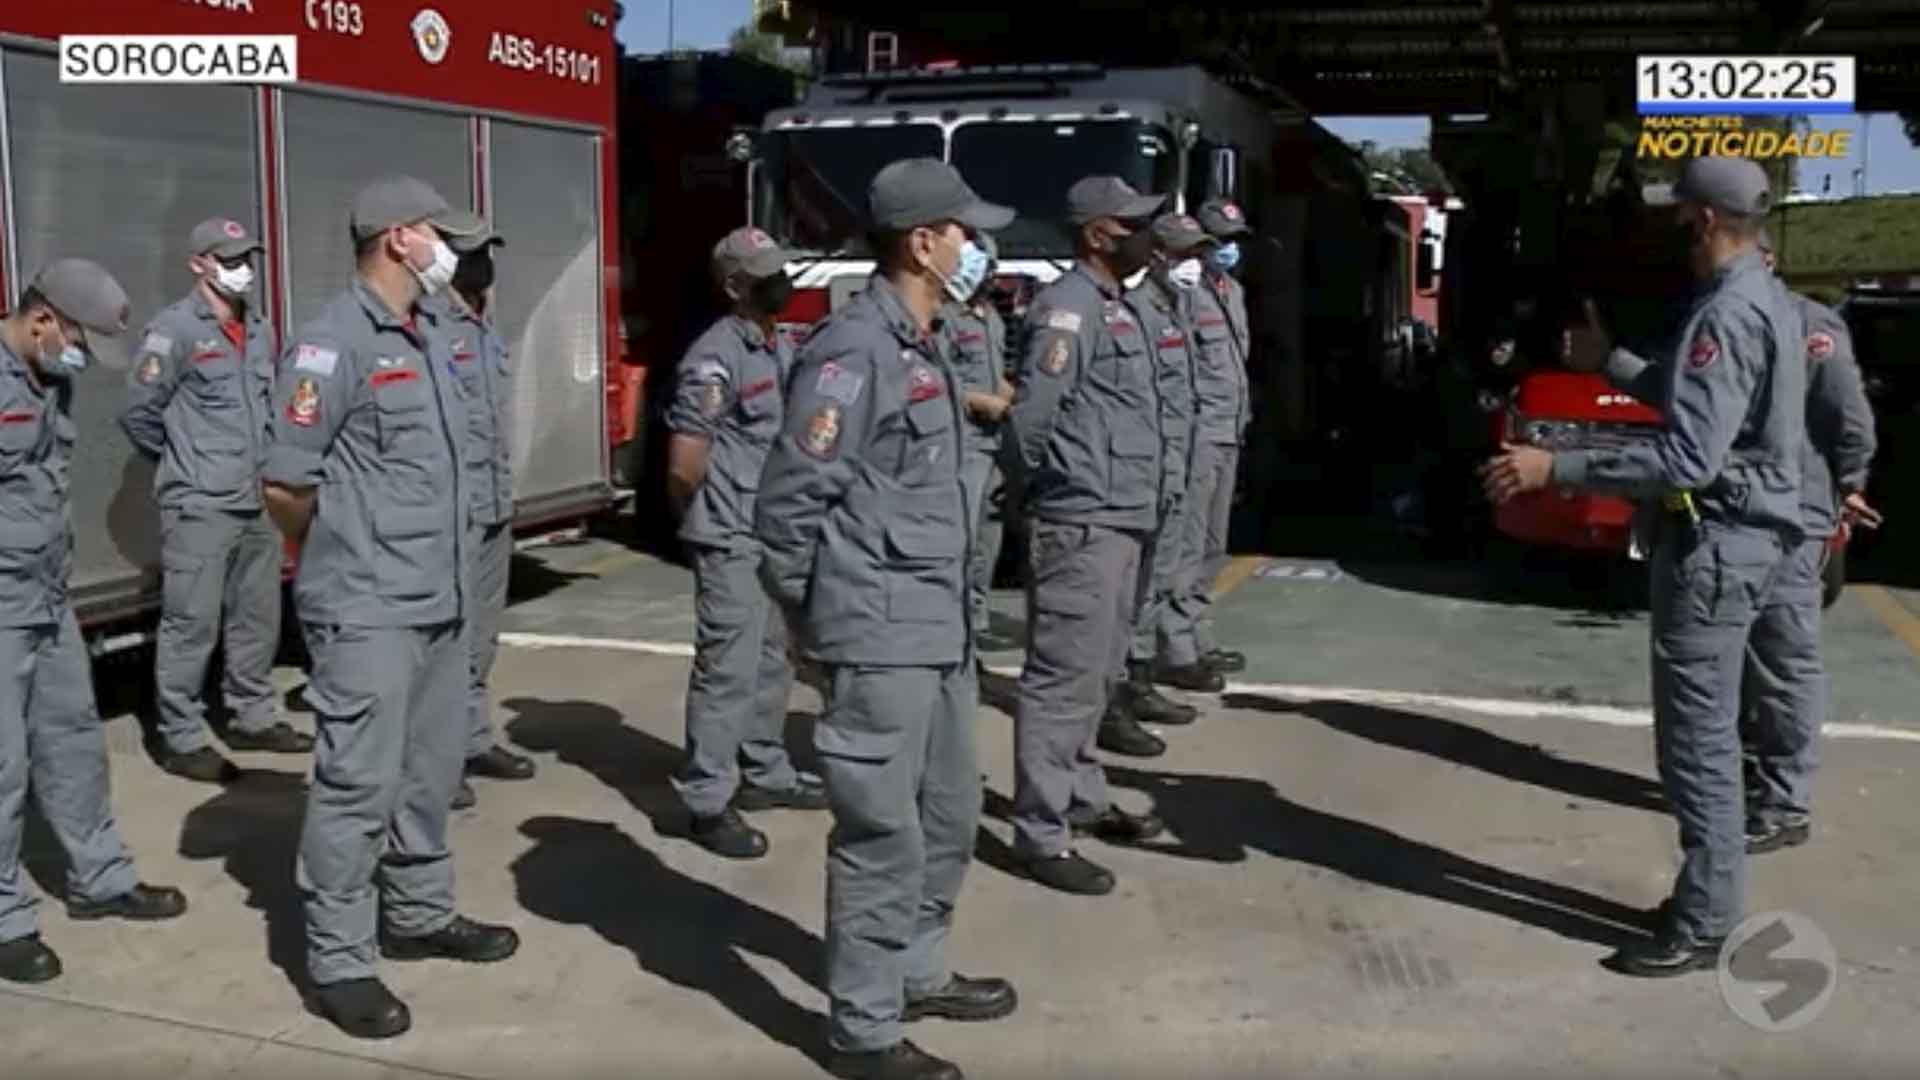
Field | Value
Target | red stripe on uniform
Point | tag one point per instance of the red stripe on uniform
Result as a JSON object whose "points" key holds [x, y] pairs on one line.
{"points": [[19, 417], [381, 378]]}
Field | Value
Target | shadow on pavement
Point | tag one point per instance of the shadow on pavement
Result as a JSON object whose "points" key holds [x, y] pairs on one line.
{"points": [[595, 737], [1221, 818], [1464, 744], [254, 826], [532, 577], [590, 873]]}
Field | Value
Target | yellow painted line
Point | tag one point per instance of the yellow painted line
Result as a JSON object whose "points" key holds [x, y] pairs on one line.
{"points": [[1903, 622], [1235, 573]]}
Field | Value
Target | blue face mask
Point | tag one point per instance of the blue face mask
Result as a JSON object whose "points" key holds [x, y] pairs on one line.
{"points": [[1225, 257], [966, 278], [73, 358]]}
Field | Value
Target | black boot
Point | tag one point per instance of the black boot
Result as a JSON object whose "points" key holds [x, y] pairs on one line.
{"points": [[1120, 733], [1225, 661], [1668, 954], [500, 763], [461, 939], [1145, 701], [363, 1008], [964, 999], [1199, 678], [901, 1061], [28, 960], [142, 903]]}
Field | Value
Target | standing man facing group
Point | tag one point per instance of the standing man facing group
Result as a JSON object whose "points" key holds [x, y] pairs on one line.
{"points": [[726, 413], [1087, 418], [1726, 473], [365, 472], [198, 395], [864, 522]]}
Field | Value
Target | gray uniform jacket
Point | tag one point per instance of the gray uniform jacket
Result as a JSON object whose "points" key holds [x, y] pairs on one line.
{"points": [[198, 404], [1086, 415], [369, 412], [1168, 319], [1220, 372], [481, 362], [36, 535], [861, 514], [1840, 435], [729, 390], [978, 339], [1734, 402]]}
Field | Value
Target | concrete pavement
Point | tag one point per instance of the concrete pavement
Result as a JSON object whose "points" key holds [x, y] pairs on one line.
{"points": [[1348, 887]]}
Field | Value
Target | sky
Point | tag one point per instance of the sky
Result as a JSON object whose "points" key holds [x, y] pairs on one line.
{"points": [[1893, 163]]}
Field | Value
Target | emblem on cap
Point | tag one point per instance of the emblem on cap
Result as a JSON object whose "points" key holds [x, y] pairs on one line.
{"points": [[823, 432], [303, 407], [759, 239], [1819, 345], [1705, 351], [1230, 212], [233, 230], [1055, 360], [432, 34]]}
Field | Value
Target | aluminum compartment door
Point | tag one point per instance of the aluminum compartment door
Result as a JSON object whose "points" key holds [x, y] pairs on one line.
{"points": [[336, 146], [551, 307], [121, 175]]}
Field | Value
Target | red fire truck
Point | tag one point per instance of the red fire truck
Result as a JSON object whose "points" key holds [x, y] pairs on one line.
{"points": [[507, 108]]}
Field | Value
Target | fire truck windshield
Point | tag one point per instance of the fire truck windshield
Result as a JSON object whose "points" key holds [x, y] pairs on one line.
{"points": [[812, 183], [1029, 165]]}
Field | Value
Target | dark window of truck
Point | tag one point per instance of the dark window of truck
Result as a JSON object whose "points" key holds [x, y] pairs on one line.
{"points": [[1029, 165], [812, 183]]}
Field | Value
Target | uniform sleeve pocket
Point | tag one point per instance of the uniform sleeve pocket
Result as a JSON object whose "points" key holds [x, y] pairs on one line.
{"points": [[921, 539], [858, 744]]}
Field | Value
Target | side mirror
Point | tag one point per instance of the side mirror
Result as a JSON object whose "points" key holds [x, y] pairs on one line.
{"points": [[1427, 264], [1224, 181]]}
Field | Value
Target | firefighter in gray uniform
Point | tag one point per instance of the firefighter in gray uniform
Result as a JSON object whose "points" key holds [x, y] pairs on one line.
{"points": [[1086, 415], [977, 336], [1725, 470], [1220, 381], [863, 520], [1165, 306], [51, 739], [1786, 680], [485, 371], [197, 401], [726, 413], [364, 472]]}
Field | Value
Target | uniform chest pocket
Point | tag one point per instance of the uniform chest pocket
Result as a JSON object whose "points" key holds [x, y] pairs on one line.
{"points": [[213, 377], [400, 401], [19, 430], [927, 454], [759, 402]]}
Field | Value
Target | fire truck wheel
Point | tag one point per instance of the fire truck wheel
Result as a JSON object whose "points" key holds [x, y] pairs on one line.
{"points": [[1834, 578]]}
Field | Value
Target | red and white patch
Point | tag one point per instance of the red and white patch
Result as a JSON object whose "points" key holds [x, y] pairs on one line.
{"points": [[24, 416], [1703, 352], [823, 432], [1230, 212], [233, 229], [1819, 345], [759, 239], [922, 384], [303, 408]]}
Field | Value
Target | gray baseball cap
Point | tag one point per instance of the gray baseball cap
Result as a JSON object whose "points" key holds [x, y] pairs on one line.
{"points": [[1109, 197], [1179, 233], [924, 191], [1731, 185], [223, 238], [748, 251], [467, 232], [1222, 218], [395, 200], [84, 292]]}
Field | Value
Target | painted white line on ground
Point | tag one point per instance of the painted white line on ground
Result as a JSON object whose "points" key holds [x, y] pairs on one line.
{"points": [[1606, 715]]}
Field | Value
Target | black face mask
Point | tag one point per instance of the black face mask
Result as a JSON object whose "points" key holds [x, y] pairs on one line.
{"points": [[474, 273], [769, 296]]}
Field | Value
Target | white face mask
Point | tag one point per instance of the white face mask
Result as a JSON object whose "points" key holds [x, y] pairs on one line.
{"points": [[233, 280], [440, 272], [1134, 279], [1185, 273]]}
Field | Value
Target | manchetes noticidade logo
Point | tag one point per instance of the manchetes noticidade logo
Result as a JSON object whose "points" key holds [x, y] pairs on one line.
{"points": [[1681, 137]]}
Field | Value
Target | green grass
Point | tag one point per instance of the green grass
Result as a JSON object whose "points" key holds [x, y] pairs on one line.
{"points": [[1829, 241]]}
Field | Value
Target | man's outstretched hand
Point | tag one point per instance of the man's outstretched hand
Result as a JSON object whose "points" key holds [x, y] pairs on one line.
{"points": [[1515, 471]]}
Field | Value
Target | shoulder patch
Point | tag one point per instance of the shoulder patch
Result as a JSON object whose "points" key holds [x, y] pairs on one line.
{"points": [[157, 343], [314, 358], [303, 407], [822, 435], [1703, 352], [1819, 345], [148, 372], [838, 383], [1054, 360], [714, 398], [1068, 321]]}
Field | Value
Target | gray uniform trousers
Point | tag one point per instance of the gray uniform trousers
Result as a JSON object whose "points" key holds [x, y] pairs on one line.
{"points": [[492, 554], [51, 739], [1709, 585], [218, 567], [388, 704], [902, 774], [737, 692], [1203, 549], [980, 480], [1080, 600], [1159, 623], [1786, 691]]}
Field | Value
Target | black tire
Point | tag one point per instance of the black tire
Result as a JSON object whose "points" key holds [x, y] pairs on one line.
{"points": [[1833, 578]]}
